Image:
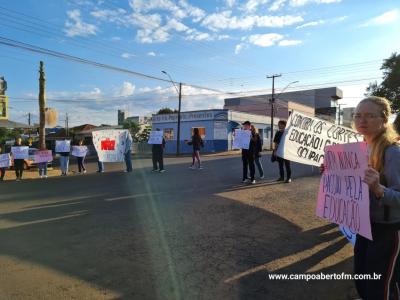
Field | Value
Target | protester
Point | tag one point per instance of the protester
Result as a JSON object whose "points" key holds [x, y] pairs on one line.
{"points": [[197, 143], [100, 166], [128, 152], [282, 161], [258, 150], [81, 159], [158, 156], [64, 163], [42, 166], [2, 169], [18, 163], [381, 255], [248, 156]]}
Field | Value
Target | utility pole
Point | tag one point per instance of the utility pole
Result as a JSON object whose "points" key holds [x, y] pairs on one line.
{"points": [[29, 123], [178, 136], [66, 125], [42, 107], [272, 101]]}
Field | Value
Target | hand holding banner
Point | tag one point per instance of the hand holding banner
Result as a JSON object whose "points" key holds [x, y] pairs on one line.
{"points": [[42, 156], [155, 138], [79, 151], [343, 197], [5, 160], [63, 146], [20, 152], [241, 139]]}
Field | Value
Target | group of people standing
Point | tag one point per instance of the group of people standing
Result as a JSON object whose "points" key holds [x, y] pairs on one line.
{"points": [[252, 157]]}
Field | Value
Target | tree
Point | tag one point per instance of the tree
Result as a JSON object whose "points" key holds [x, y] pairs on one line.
{"points": [[133, 128], [144, 135], [390, 85], [166, 110]]}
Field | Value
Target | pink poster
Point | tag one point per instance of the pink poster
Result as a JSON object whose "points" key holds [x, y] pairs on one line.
{"points": [[43, 156], [343, 197]]}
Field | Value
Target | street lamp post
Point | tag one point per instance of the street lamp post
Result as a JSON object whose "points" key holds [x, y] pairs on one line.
{"points": [[179, 91]]}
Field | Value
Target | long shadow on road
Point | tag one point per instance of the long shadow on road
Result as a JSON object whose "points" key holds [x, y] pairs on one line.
{"points": [[165, 236]]}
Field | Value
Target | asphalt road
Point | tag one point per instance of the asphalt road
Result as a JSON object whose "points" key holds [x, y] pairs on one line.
{"points": [[183, 234]]}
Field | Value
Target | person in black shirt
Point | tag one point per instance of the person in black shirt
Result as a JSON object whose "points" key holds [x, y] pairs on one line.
{"points": [[258, 150], [282, 161], [248, 156], [157, 155]]}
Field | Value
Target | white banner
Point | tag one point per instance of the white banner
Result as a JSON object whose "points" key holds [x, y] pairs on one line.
{"points": [[110, 144], [241, 139], [43, 156], [5, 160], [63, 146], [155, 137], [20, 152], [79, 151], [305, 138]]}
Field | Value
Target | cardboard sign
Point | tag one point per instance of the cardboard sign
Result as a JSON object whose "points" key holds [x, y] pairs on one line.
{"points": [[155, 138], [305, 138], [5, 160], [343, 197], [110, 144], [63, 146], [42, 156], [20, 152], [79, 151], [241, 139]]}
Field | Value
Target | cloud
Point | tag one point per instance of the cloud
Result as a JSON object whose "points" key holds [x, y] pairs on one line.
{"points": [[127, 55], [252, 5], [289, 42], [74, 26], [383, 19], [115, 38], [310, 24], [151, 53], [278, 4], [230, 3], [127, 89], [297, 3], [225, 20], [264, 40], [240, 47]]}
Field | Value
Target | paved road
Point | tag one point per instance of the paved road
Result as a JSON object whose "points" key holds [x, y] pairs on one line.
{"points": [[183, 234]]}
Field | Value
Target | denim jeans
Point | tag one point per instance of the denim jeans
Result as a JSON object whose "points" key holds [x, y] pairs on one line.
{"points": [[64, 162], [42, 169], [100, 164], [128, 161], [259, 166]]}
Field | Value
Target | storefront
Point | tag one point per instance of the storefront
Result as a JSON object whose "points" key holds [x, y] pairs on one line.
{"points": [[215, 127]]}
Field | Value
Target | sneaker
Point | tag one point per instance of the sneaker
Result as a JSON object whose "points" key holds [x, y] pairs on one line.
{"points": [[162, 171], [280, 179], [245, 180], [191, 167], [201, 167], [155, 170], [262, 177], [253, 182], [84, 171], [289, 180], [45, 176]]}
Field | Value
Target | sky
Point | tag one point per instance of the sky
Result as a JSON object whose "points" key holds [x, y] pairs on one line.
{"points": [[217, 49]]}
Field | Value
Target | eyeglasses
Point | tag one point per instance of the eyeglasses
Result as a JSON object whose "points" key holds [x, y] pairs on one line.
{"points": [[368, 117]]}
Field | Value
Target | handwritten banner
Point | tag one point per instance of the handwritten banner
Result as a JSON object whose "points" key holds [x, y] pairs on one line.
{"points": [[5, 160], [42, 156], [20, 152], [306, 137], [241, 139], [155, 137], [63, 146], [110, 144], [79, 151], [343, 197]]}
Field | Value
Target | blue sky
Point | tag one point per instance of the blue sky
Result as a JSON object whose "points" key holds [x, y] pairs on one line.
{"points": [[226, 45]]}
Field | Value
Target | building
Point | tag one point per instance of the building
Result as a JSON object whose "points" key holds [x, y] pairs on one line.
{"points": [[323, 102], [121, 117], [3, 107], [347, 116], [141, 120], [216, 127]]}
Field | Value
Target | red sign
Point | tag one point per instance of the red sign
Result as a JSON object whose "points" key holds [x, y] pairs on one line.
{"points": [[108, 144]]}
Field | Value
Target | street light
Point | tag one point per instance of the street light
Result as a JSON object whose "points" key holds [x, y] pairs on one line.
{"points": [[179, 91], [272, 101]]}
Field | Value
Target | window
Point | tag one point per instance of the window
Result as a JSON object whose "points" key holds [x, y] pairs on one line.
{"points": [[168, 134], [202, 131]]}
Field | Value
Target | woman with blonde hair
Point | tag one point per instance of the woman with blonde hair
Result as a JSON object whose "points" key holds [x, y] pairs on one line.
{"points": [[381, 255]]}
